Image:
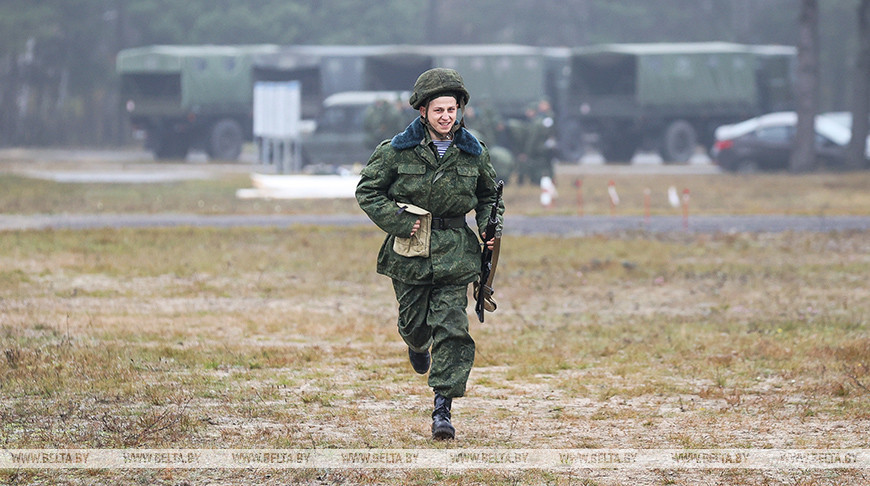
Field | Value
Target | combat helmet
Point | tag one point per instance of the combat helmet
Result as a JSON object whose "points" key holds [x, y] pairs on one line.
{"points": [[438, 81]]}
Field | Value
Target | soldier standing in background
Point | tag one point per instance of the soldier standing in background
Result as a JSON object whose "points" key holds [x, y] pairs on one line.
{"points": [[534, 143], [418, 187]]}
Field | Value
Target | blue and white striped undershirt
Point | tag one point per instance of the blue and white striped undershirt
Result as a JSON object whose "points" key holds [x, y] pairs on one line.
{"points": [[442, 146]]}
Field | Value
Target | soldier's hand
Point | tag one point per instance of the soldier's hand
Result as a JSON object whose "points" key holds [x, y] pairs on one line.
{"points": [[415, 228], [490, 244]]}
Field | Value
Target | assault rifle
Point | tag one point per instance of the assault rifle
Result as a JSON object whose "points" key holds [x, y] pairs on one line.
{"points": [[484, 288]]}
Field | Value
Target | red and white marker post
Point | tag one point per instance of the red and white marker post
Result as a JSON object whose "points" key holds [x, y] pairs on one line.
{"points": [[548, 192]]}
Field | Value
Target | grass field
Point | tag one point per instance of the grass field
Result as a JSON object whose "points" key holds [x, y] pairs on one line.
{"points": [[285, 338]]}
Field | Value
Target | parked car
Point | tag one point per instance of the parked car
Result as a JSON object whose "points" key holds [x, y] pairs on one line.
{"points": [[340, 137], [765, 142]]}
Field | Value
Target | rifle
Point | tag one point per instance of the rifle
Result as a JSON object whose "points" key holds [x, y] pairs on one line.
{"points": [[484, 289]]}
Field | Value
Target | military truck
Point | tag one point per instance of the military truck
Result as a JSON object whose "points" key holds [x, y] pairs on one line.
{"points": [[669, 97], [191, 97], [504, 79]]}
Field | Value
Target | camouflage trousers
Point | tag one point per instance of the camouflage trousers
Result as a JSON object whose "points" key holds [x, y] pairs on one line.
{"points": [[435, 316]]}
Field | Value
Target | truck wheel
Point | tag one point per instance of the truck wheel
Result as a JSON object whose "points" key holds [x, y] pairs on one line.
{"points": [[680, 141], [225, 141]]}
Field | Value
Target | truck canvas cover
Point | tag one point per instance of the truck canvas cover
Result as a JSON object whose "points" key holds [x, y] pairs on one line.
{"points": [[203, 75], [506, 76], [668, 74]]}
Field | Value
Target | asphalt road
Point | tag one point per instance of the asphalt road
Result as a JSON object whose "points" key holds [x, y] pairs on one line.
{"points": [[522, 225]]}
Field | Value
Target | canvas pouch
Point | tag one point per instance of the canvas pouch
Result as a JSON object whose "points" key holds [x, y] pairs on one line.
{"points": [[418, 244]]}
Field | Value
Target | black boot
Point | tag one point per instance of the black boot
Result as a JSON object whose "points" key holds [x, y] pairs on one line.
{"points": [[419, 361], [442, 429]]}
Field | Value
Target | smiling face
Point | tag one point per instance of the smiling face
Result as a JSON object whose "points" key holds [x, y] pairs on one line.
{"points": [[440, 114]]}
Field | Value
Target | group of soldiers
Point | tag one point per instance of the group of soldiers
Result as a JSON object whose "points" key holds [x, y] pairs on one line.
{"points": [[524, 148], [521, 149]]}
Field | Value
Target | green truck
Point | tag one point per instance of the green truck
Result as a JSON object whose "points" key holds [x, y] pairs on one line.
{"points": [[669, 97], [187, 97]]}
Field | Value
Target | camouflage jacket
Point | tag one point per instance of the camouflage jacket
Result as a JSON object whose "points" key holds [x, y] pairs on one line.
{"points": [[407, 169]]}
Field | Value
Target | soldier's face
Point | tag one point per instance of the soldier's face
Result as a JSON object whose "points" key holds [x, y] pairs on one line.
{"points": [[441, 114]]}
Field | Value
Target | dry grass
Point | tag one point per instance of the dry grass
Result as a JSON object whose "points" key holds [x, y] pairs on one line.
{"points": [[262, 338]]}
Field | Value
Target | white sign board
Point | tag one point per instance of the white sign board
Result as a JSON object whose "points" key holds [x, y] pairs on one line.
{"points": [[277, 109]]}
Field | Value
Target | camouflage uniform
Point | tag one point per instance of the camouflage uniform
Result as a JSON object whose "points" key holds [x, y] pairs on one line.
{"points": [[533, 145], [432, 291]]}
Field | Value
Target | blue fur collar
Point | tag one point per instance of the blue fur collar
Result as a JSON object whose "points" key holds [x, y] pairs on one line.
{"points": [[416, 133]]}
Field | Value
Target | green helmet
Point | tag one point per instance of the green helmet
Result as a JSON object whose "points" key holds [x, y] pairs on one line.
{"points": [[438, 81]]}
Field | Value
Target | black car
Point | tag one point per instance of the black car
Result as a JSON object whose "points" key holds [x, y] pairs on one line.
{"points": [[765, 143]]}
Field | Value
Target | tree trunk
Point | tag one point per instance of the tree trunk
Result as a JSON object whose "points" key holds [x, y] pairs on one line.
{"points": [[855, 158], [803, 156]]}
